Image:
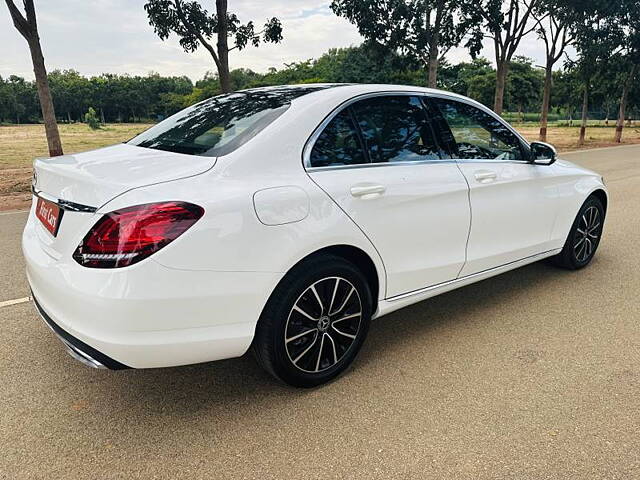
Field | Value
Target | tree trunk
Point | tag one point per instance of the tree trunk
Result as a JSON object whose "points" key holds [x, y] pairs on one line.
{"points": [[623, 104], [501, 81], [585, 114], [44, 94], [223, 46], [432, 80], [546, 101]]}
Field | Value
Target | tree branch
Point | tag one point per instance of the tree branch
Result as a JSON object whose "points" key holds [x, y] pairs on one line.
{"points": [[31, 15], [19, 21], [196, 32]]}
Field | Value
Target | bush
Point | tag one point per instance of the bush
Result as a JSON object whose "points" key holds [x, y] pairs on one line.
{"points": [[92, 119]]}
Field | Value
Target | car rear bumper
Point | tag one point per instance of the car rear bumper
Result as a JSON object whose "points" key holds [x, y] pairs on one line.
{"points": [[146, 315], [78, 349]]}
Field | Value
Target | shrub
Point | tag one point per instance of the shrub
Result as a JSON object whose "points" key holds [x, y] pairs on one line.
{"points": [[92, 119]]}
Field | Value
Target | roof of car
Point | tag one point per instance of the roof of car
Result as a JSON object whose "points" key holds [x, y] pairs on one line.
{"points": [[370, 87], [330, 92]]}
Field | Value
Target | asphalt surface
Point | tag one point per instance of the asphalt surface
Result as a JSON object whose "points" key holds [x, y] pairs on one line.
{"points": [[534, 374]]}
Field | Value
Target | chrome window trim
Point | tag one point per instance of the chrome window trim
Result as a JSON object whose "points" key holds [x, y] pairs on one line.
{"points": [[381, 164], [310, 143]]}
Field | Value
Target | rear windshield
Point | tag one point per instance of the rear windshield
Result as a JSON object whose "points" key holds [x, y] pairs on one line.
{"points": [[221, 124]]}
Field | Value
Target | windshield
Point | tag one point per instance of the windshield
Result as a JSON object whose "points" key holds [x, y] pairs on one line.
{"points": [[221, 124]]}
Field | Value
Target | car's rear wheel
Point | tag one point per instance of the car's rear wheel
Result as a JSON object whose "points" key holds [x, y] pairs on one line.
{"points": [[584, 236], [314, 322]]}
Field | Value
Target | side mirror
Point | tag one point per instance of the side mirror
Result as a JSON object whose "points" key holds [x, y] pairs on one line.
{"points": [[543, 153]]}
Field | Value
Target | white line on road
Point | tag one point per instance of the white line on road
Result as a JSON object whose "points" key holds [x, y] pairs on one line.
{"points": [[15, 301], [13, 213], [586, 150]]}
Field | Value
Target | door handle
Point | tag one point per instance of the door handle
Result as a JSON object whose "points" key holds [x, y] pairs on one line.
{"points": [[485, 176], [363, 190]]}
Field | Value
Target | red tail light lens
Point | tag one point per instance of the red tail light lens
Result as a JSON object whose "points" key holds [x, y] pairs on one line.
{"points": [[126, 236]]}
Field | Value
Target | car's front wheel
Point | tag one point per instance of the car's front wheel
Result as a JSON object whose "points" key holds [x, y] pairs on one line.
{"points": [[584, 236], [314, 322]]}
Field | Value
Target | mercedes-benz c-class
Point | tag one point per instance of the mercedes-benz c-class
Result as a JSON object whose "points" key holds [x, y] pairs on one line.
{"points": [[284, 219]]}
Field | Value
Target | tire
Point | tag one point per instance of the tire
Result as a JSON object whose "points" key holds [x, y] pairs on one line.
{"points": [[302, 337], [584, 236]]}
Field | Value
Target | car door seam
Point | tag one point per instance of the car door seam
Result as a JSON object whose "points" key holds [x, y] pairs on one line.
{"points": [[359, 228], [466, 247]]}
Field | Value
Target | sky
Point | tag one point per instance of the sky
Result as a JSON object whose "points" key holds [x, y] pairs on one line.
{"points": [[114, 36]]}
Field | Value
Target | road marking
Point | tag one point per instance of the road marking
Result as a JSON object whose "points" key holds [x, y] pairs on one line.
{"points": [[13, 213], [15, 301], [599, 149]]}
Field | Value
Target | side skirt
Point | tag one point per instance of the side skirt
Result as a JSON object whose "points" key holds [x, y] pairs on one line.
{"points": [[395, 303]]}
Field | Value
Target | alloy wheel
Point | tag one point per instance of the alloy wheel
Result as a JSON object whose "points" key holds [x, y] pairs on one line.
{"points": [[323, 324], [587, 234]]}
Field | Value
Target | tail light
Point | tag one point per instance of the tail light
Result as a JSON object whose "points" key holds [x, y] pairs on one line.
{"points": [[127, 236]]}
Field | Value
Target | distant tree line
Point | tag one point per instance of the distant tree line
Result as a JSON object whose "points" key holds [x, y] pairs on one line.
{"points": [[116, 98], [125, 98]]}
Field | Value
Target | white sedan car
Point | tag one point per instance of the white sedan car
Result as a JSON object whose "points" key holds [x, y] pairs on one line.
{"points": [[284, 219]]}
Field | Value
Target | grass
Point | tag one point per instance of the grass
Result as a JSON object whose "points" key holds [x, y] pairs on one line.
{"points": [[20, 144], [566, 138]]}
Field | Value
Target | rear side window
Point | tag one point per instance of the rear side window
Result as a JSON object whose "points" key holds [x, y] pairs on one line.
{"points": [[382, 129], [221, 124], [395, 129], [474, 134], [338, 144]]}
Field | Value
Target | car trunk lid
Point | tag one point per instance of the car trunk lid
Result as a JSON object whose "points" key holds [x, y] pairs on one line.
{"points": [[78, 185], [93, 178]]}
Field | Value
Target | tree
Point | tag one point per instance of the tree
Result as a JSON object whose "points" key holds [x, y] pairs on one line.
{"points": [[28, 28], [507, 23], [631, 45], [457, 78], [71, 93], [554, 26], [195, 27], [91, 119], [598, 36], [523, 86], [423, 29]]}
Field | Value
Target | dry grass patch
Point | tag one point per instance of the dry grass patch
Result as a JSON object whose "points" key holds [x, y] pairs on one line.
{"points": [[20, 144], [566, 138]]}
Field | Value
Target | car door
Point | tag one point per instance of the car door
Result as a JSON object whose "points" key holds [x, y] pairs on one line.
{"points": [[378, 160], [512, 199]]}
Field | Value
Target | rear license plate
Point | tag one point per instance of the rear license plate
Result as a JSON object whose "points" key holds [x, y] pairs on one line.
{"points": [[49, 215]]}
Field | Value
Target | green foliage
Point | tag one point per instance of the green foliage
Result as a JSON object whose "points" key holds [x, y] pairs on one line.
{"points": [[417, 29], [91, 119], [524, 85], [153, 97], [189, 21], [598, 35]]}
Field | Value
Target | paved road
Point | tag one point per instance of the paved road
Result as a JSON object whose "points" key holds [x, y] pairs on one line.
{"points": [[534, 374]]}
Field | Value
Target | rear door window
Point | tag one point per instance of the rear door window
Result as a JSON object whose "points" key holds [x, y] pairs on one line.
{"points": [[395, 129]]}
